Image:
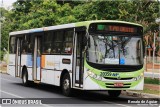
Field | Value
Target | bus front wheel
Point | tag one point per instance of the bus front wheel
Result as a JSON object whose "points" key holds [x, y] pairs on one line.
{"points": [[66, 85], [114, 93], [25, 78]]}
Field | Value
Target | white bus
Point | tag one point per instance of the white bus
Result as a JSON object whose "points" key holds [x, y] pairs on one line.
{"points": [[89, 55]]}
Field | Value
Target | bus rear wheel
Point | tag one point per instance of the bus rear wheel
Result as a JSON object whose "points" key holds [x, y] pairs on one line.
{"points": [[66, 85], [114, 93]]}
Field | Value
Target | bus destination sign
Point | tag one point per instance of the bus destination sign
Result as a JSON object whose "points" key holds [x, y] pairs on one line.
{"points": [[122, 29], [116, 28]]}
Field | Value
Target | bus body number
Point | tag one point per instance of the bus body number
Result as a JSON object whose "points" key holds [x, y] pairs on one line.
{"points": [[104, 74]]}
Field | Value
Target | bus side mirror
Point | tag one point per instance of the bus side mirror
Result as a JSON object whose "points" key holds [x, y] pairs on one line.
{"points": [[84, 41], [144, 49], [86, 44]]}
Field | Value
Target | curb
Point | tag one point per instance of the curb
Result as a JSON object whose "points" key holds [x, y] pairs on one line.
{"points": [[140, 95]]}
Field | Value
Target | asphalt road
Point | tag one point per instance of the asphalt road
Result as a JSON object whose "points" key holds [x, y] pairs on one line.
{"points": [[11, 87]]}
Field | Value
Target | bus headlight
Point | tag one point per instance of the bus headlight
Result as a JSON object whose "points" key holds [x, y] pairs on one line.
{"points": [[137, 78], [90, 73], [142, 74]]}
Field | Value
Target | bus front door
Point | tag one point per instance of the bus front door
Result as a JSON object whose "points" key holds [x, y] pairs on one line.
{"points": [[18, 57], [36, 59], [79, 59]]}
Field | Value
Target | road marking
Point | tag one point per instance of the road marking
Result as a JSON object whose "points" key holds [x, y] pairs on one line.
{"points": [[11, 94], [47, 105], [118, 104], [8, 80], [17, 96]]}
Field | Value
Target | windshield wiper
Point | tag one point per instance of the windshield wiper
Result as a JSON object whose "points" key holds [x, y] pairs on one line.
{"points": [[123, 44], [95, 44], [113, 48]]}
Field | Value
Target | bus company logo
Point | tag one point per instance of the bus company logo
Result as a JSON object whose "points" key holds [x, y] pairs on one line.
{"points": [[50, 63], [104, 74], [118, 77], [6, 101]]}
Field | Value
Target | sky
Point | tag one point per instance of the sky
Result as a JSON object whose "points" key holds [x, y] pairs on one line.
{"points": [[7, 3]]}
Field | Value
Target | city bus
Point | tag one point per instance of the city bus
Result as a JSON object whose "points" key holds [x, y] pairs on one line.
{"points": [[89, 55]]}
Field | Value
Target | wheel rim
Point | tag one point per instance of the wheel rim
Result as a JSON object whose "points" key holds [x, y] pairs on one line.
{"points": [[24, 78], [66, 84]]}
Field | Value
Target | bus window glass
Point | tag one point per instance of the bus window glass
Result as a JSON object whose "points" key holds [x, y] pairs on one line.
{"points": [[68, 42], [12, 49], [27, 44], [31, 44], [47, 42], [116, 50], [57, 42]]}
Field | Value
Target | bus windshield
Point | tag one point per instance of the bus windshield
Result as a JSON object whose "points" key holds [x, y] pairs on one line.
{"points": [[115, 49]]}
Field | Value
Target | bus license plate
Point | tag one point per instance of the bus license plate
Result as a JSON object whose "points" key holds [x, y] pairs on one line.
{"points": [[118, 84]]}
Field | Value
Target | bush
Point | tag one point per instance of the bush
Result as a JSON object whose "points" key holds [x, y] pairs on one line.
{"points": [[151, 81]]}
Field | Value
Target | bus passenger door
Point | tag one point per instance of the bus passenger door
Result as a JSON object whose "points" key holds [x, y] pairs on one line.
{"points": [[79, 59], [36, 59], [18, 57]]}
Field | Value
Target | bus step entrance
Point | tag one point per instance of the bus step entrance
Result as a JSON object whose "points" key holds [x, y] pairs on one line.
{"points": [[77, 85], [36, 81]]}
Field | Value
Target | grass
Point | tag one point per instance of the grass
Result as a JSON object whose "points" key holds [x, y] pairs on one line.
{"points": [[150, 91], [152, 81]]}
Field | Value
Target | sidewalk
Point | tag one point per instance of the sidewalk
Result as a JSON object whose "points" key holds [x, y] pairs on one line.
{"points": [[150, 87], [153, 87], [141, 94]]}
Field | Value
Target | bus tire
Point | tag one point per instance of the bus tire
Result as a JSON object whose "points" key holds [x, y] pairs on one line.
{"points": [[66, 85], [25, 78], [114, 93]]}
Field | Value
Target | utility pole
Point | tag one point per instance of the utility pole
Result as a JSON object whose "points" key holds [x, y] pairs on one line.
{"points": [[153, 54], [157, 21]]}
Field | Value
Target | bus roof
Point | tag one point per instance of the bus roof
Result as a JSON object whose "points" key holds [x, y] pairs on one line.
{"points": [[87, 23], [71, 25]]}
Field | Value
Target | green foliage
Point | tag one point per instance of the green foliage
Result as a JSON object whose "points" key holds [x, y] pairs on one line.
{"points": [[27, 14], [1, 55], [152, 81]]}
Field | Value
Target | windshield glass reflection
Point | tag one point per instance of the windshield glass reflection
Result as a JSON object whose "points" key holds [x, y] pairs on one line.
{"points": [[118, 50]]}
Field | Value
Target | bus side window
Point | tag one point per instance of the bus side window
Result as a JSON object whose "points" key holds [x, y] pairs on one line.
{"points": [[24, 44], [68, 42], [31, 44], [12, 49], [57, 42], [47, 42], [27, 44]]}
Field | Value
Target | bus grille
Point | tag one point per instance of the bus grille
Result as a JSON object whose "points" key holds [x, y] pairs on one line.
{"points": [[118, 78], [111, 85]]}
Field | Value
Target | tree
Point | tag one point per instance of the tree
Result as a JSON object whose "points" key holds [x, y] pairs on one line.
{"points": [[27, 14]]}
